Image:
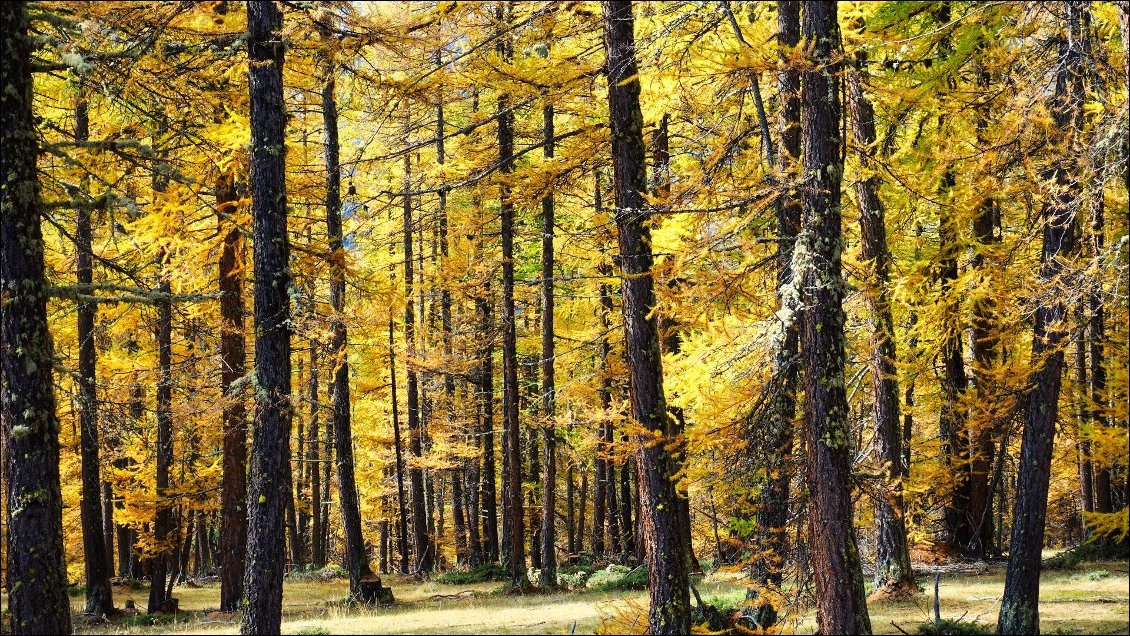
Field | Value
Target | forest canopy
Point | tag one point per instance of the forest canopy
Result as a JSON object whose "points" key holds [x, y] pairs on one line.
{"points": [[810, 293]]}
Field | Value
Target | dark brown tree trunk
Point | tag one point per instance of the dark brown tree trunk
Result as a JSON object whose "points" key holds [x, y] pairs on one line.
{"points": [[667, 572], [776, 446], [892, 553], [984, 433], [600, 506], [512, 486], [398, 446], [1096, 333], [96, 552], [361, 576], [582, 507], [313, 460], [548, 388], [486, 389], [233, 506], [425, 549], [270, 450], [841, 603], [35, 566], [165, 557], [1019, 613], [1083, 417]]}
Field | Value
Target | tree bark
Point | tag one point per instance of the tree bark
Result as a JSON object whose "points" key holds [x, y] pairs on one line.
{"points": [[513, 509], [425, 549], [356, 560], [398, 445], [165, 551], [667, 573], [841, 606], [268, 492], [1019, 613], [96, 552], [313, 460], [776, 446], [548, 388], [1096, 334], [36, 566], [233, 506], [892, 553]]}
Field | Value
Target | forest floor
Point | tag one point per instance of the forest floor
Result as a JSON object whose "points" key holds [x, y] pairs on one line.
{"points": [[1092, 598]]}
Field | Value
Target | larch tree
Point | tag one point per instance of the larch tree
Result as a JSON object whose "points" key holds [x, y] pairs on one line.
{"points": [[669, 612], [30, 426], [841, 603], [1019, 613], [270, 448]]}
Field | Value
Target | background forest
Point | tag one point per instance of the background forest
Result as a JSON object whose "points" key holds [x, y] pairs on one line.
{"points": [[414, 287]]}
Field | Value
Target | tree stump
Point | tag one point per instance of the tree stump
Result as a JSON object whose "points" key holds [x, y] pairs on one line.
{"points": [[373, 592]]}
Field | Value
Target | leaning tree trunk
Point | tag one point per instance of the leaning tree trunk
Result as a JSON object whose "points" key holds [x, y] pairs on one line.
{"points": [[841, 606], [36, 566], [667, 568], [892, 553], [270, 450], [777, 444], [1019, 613], [233, 498], [96, 554]]}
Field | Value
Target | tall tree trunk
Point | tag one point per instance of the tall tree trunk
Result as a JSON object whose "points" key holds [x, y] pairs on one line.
{"points": [[512, 443], [270, 449], [313, 460], [36, 566], [96, 552], [892, 553], [983, 433], [356, 560], [841, 606], [667, 572], [1083, 417], [1096, 333], [600, 508], [486, 389], [776, 446], [398, 445], [233, 506], [1019, 613], [548, 388], [165, 556], [425, 550]]}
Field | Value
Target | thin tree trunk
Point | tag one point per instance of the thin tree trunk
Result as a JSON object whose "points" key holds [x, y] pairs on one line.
{"points": [[269, 487], [1019, 613], [892, 553], [233, 506], [361, 584], [512, 485], [841, 606], [425, 550], [667, 573], [165, 555], [398, 445], [776, 446], [1096, 333], [548, 387], [313, 459], [35, 558], [96, 552]]}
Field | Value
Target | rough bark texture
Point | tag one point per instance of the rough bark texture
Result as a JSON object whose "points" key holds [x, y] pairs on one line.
{"points": [[892, 553], [233, 506], [667, 573], [313, 461], [164, 559], [96, 552], [270, 450], [361, 575], [600, 487], [841, 606], [548, 388], [1096, 334], [512, 488], [776, 444], [1019, 613], [37, 594]]}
